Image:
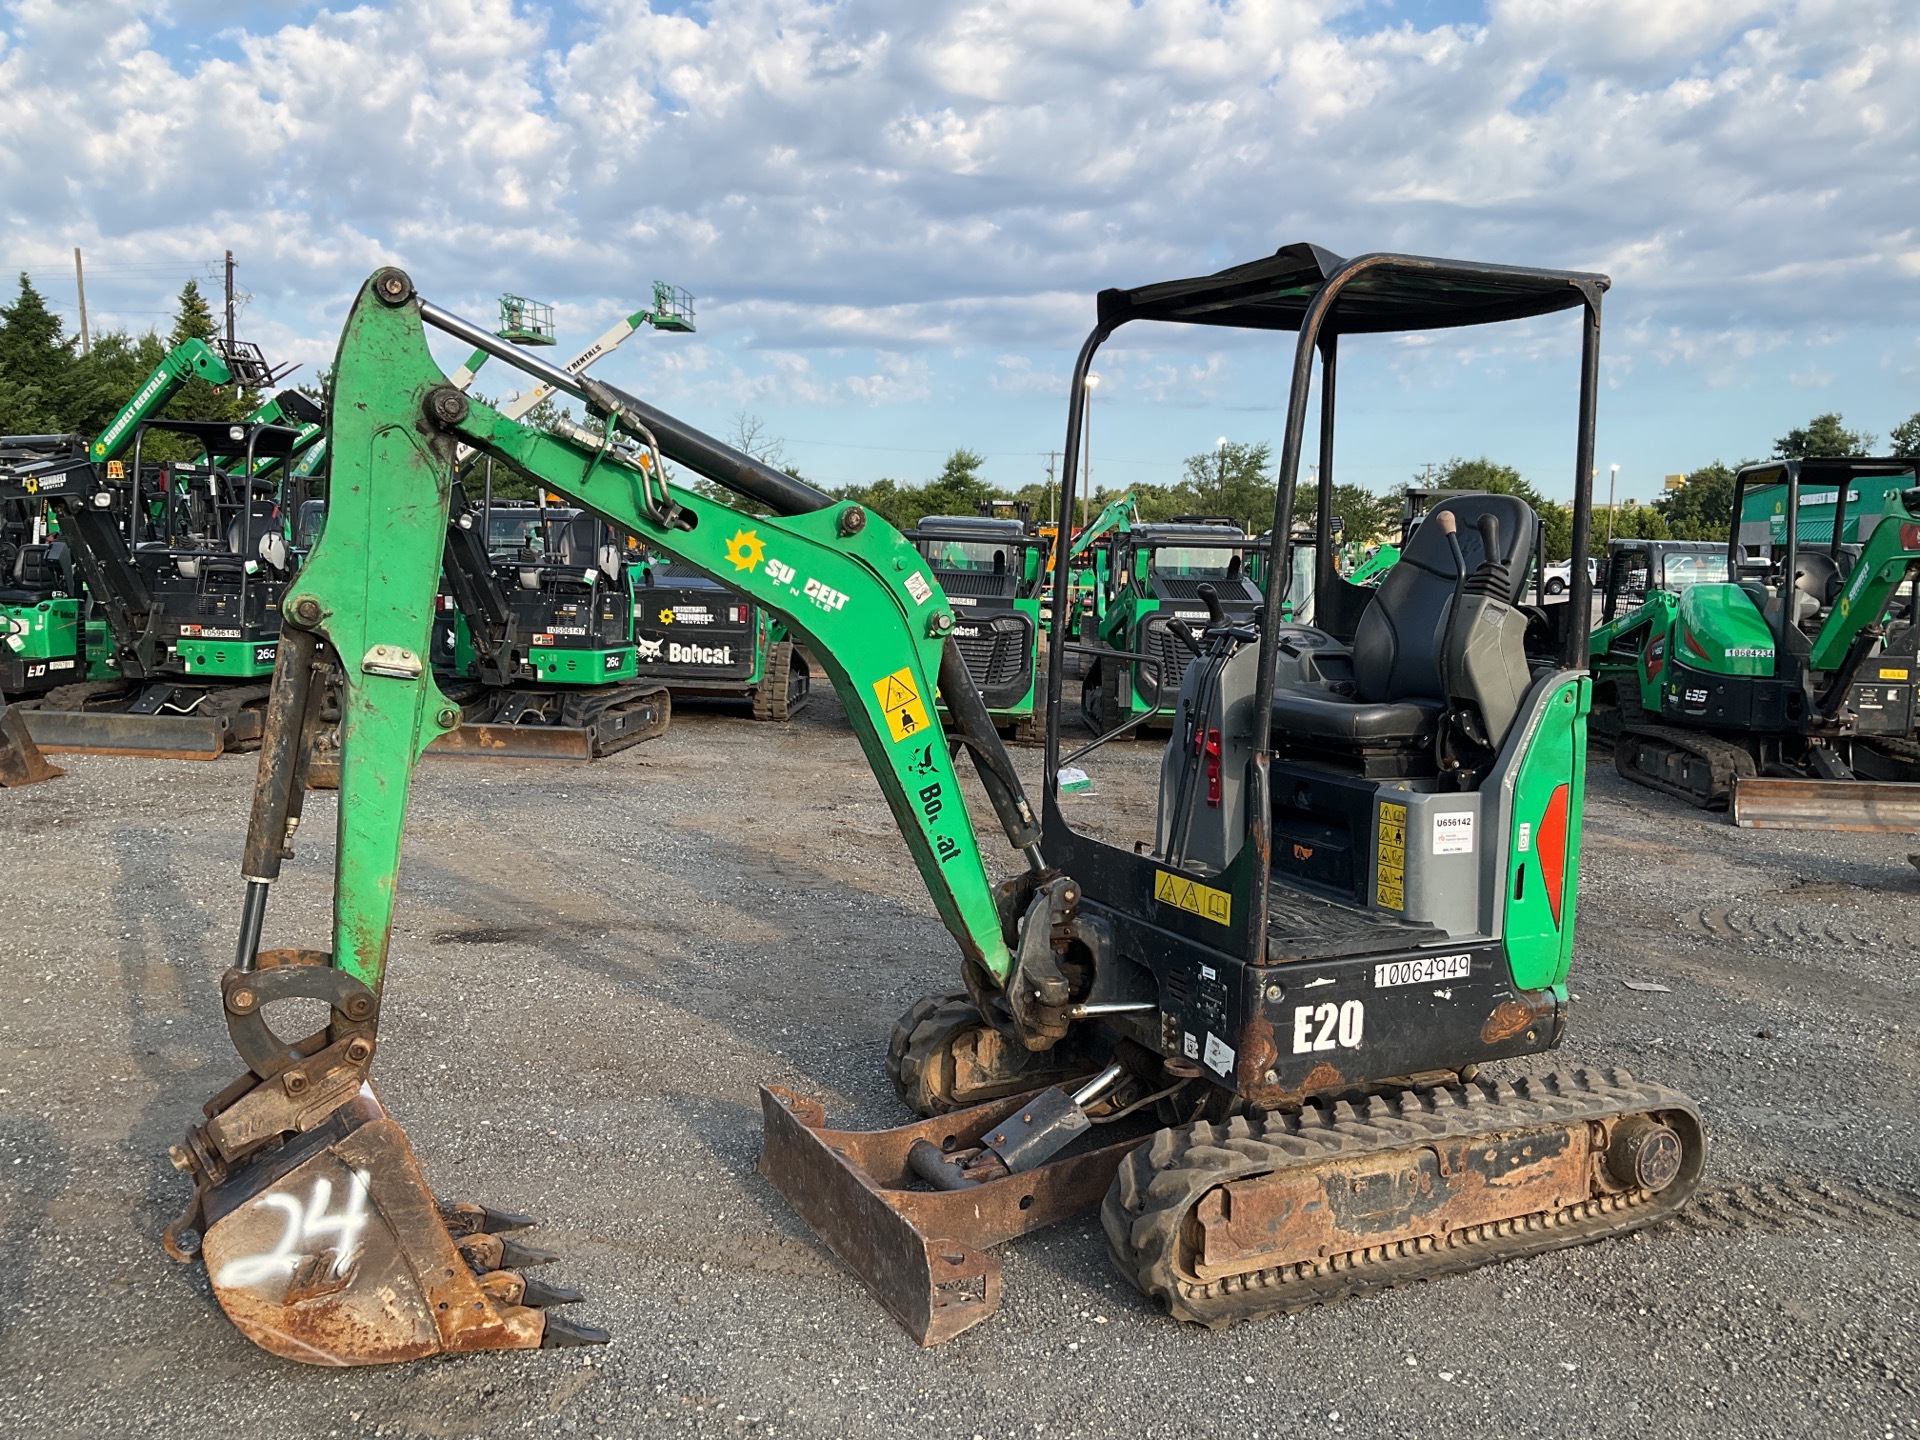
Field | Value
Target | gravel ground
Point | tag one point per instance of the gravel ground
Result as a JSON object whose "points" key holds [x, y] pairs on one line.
{"points": [[593, 968]]}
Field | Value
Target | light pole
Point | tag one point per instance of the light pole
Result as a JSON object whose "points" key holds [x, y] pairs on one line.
{"points": [[1086, 449], [1613, 474]]}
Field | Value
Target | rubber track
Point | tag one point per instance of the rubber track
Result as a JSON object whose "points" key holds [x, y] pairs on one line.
{"points": [[1157, 1187], [913, 1051], [773, 697], [1725, 759]]}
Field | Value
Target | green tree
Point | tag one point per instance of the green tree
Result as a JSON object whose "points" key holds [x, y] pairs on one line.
{"points": [[34, 360], [1702, 508], [1822, 435], [1483, 473], [197, 400], [956, 490], [1364, 516], [1232, 481], [102, 381], [1905, 439]]}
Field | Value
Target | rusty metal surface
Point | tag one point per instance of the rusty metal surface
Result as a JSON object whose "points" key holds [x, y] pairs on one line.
{"points": [[922, 1253], [513, 742], [107, 732], [1881, 806], [20, 760], [1349, 1204], [344, 1260]]}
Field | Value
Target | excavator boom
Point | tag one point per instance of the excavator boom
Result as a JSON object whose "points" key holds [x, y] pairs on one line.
{"points": [[300, 1119]]}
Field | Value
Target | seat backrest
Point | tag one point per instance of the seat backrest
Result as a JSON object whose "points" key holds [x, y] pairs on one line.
{"points": [[42, 567], [1396, 646]]}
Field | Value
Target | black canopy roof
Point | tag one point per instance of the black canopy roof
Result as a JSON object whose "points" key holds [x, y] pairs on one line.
{"points": [[1405, 292], [227, 439]]}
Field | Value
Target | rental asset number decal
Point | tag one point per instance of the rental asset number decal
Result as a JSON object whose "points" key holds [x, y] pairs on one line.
{"points": [[1421, 971], [1323, 1027]]}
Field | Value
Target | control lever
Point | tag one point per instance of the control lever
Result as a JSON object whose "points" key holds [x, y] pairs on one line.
{"points": [[1210, 597], [1183, 632]]}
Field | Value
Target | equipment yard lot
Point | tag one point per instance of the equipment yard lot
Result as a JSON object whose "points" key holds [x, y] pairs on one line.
{"points": [[595, 966]]}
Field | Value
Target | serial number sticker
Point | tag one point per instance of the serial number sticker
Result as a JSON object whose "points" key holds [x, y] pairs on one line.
{"points": [[1422, 971], [1193, 897], [1453, 834]]}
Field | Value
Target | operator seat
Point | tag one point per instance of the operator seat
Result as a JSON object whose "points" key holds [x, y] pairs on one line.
{"points": [[38, 569], [1397, 696]]}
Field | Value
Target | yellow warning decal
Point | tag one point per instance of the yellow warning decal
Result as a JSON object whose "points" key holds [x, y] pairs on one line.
{"points": [[1887, 674], [900, 698], [1390, 858], [1193, 897]]}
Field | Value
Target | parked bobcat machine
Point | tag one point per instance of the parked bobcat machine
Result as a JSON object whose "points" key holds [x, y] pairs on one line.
{"points": [[987, 568], [697, 636], [1784, 690], [1157, 572], [1258, 1035]]}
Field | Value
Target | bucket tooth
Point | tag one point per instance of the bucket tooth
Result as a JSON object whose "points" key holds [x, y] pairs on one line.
{"points": [[499, 1252], [561, 1333], [463, 1217]]}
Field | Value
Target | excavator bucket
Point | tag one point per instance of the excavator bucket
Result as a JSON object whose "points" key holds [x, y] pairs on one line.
{"points": [[920, 1251], [331, 1250], [21, 762], [1883, 806]]}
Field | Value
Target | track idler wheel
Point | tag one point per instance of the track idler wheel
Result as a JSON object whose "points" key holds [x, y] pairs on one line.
{"points": [[944, 1055], [330, 1249]]}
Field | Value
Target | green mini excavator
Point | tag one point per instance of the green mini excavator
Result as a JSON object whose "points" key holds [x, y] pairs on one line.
{"points": [[1782, 687], [1253, 1040]]}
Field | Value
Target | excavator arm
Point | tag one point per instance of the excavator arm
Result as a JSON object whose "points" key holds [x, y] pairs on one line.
{"points": [[303, 1129], [1885, 561]]}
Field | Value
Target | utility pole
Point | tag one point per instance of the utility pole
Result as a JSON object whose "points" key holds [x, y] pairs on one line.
{"points": [[1053, 494], [229, 299], [80, 284], [1613, 474], [1086, 450]]}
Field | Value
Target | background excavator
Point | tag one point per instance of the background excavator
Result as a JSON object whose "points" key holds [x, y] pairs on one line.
{"points": [[159, 582], [1783, 689], [1258, 1035]]}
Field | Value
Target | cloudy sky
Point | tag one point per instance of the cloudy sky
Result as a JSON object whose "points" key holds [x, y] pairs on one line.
{"points": [[895, 215]]}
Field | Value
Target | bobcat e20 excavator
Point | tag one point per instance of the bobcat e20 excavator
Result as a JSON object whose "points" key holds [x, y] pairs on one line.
{"points": [[1257, 1035]]}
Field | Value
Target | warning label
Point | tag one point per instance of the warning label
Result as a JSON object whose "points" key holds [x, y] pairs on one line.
{"points": [[1193, 897], [1390, 858], [900, 699]]}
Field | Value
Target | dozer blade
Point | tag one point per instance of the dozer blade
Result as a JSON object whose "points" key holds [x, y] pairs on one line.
{"points": [[332, 1251], [514, 742], [1886, 806], [20, 760], [113, 732], [922, 1252], [631, 715]]}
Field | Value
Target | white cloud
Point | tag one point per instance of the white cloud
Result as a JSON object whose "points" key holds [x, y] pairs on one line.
{"points": [[895, 179]]}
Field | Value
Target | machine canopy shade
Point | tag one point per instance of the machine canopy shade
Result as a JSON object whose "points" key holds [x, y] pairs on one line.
{"points": [[1404, 293]]}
